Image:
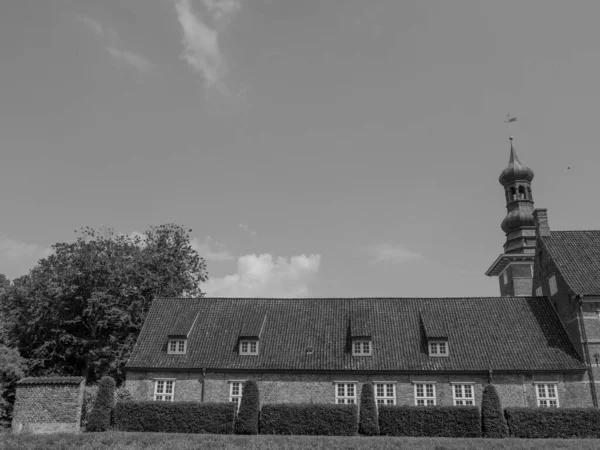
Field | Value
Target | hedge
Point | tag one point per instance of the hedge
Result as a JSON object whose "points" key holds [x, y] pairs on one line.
{"points": [[493, 423], [553, 422], [247, 416], [309, 419], [175, 417], [368, 424], [430, 421], [101, 414]]}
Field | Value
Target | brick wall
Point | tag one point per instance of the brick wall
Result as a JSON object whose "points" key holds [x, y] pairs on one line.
{"points": [[48, 405], [513, 389]]}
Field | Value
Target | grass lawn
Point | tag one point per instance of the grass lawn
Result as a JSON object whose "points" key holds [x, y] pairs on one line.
{"points": [[163, 441]]}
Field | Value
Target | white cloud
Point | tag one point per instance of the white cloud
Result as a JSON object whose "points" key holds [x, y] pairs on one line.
{"points": [[133, 59], [211, 250], [201, 37], [247, 229], [388, 253], [265, 276], [17, 257]]}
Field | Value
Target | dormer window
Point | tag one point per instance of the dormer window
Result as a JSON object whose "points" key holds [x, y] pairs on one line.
{"points": [[177, 346], [248, 347], [438, 348], [362, 348]]}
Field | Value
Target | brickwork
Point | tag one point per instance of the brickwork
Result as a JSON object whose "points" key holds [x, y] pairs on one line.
{"points": [[48, 406], [513, 389]]}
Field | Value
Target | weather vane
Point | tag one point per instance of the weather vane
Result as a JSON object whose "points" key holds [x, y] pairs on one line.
{"points": [[510, 119]]}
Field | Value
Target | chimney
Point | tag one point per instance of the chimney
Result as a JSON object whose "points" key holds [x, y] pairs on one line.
{"points": [[540, 215]]}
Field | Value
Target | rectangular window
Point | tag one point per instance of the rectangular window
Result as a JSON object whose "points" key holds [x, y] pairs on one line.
{"points": [[248, 347], [424, 394], [235, 392], [164, 390], [438, 348], [552, 283], [463, 394], [177, 346], [345, 393], [547, 395], [361, 348], [504, 277], [385, 393], [538, 292]]}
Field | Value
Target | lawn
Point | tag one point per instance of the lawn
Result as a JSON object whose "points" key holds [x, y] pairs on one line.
{"points": [[162, 441]]}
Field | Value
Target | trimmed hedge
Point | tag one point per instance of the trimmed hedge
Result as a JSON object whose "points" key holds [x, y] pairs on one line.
{"points": [[246, 421], [309, 419], [101, 414], [368, 424], [430, 421], [493, 422], [553, 423], [175, 417]]}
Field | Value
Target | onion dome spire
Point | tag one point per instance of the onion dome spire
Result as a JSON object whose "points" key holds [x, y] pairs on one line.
{"points": [[516, 170]]}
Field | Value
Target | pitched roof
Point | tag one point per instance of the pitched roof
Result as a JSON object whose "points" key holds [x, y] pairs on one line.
{"points": [[502, 333], [577, 255], [51, 380], [434, 325]]}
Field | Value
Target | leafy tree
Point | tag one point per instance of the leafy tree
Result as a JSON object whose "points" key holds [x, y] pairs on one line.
{"points": [[246, 421], [492, 417], [80, 310], [12, 367], [100, 416], [368, 423]]}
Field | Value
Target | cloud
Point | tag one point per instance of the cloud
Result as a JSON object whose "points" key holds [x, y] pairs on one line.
{"points": [[211, 250], [17, 257], [266, 276], [247, 229], [388, 253], [111, 37], [201, 37]]}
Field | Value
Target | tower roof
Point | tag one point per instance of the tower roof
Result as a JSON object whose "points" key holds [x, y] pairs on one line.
{"points": [[516, 170]]}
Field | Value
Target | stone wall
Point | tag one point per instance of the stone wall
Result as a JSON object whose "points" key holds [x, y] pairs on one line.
{"points": [[48, 405]]}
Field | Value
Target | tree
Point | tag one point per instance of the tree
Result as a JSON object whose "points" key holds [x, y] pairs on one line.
{"points": [[246, 421], [100, 417], [492, 417], [12, 367], [368, 423], [80, 310]]}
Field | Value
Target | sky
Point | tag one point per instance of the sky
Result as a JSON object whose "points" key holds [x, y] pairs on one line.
{"points": [[321, 149]]}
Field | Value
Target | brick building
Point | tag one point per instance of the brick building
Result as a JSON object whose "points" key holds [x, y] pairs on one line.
{"points": [[537, 349]]}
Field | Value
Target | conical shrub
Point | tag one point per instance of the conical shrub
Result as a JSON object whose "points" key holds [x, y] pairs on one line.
{"points": [[368, 423], [246, 421], [104, 404], [493, 422]]}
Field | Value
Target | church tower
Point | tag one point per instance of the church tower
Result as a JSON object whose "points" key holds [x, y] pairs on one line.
{"points": [[514, 267]]}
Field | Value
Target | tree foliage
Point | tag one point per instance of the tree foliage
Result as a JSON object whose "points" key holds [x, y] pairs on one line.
{"points": [[247, 417], [12, 367], [493, 422], [100, 416], [80, 310], [368, 423]]}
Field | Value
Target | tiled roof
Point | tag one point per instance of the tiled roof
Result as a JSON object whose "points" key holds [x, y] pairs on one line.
{"points": [[434, 325], [577, 254], [51, 380], [502, 333]]}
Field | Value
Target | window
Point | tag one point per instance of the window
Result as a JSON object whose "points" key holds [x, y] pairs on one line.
{"points": [[248, 347], [385, 393], [463, 394], [345, 393], [424, 394], [438, 348], [547, 397], [552, 283], [504, 277], [538, 292], [177, 346], [235, 392], [361, 348], [164, 390]]}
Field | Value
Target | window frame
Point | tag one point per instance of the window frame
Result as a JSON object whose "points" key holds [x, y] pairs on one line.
{"points": [[539, 292], [236, 398], [425, 398], [168, 396], [361, 343], [552, 285], [546, 398], [345, 397], [463, 398], [248, 343], [435, 344], [386, 397], [504, 277], [177, 350]]}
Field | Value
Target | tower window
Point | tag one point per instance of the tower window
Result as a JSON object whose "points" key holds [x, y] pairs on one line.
{"points": [[513, 193], [552, 283], [504, 277], [522, 194]]}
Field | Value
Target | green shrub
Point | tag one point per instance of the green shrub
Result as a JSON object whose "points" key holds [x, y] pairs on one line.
{"points": [[309, 419], [368, 423], [430, 421], [175, 417], [553, 423], [89, 397], [246, 421], [100, 417], [493, 422], [122, 394]]}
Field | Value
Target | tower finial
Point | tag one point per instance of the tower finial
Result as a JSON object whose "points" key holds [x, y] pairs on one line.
{"points": [[510, 119]]}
